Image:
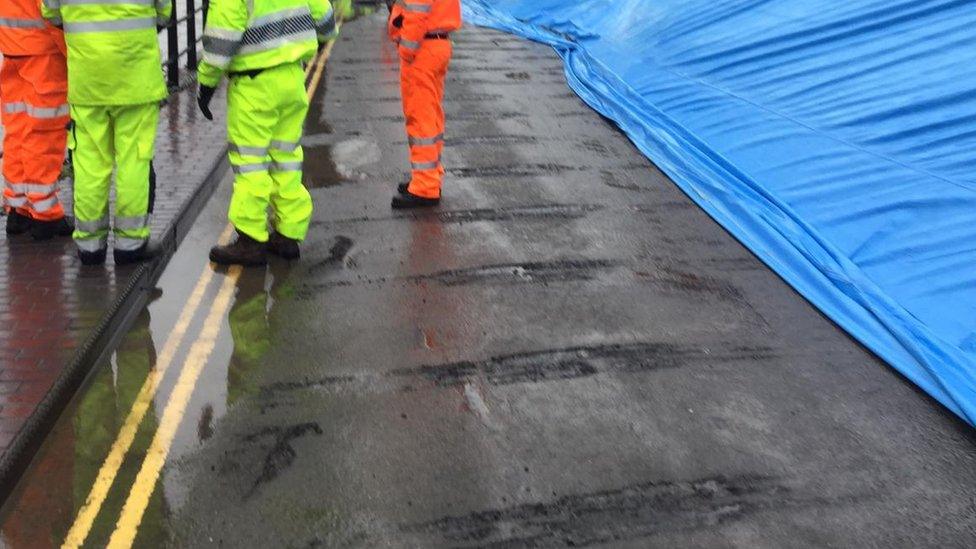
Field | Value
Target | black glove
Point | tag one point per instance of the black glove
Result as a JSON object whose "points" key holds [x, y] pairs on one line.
{"points": [[398, 22], [203, 100]]}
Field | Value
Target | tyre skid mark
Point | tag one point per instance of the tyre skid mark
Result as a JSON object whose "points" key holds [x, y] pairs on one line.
{"points": [[538, 272], [611, 271], [542, 212], [632, 512], [512, 171], [468, 116], [479, 98], [562, 364]]}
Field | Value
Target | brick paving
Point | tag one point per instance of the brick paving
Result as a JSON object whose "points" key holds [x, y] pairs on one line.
{"points": [[51, 307]]}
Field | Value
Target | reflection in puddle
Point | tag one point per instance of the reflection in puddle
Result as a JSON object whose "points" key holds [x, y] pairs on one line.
{"points": [[41, 510]]}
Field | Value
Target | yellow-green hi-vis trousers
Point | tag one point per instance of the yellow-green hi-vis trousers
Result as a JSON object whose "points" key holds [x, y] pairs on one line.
{"points": [[104, 138], [265, 118]]}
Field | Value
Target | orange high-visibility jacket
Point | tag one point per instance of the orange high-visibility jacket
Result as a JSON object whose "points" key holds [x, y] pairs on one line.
{"points": [[24, 32], [422, 17]]}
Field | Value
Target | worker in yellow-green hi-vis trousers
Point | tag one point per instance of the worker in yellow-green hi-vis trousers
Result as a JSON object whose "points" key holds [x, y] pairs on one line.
{"points": [[261, 45], [114, 87]]}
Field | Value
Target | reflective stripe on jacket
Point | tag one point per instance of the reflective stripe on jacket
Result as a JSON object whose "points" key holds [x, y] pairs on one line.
{"points": [[245, 35], [422, 17], [24, 32], [113, 50]]}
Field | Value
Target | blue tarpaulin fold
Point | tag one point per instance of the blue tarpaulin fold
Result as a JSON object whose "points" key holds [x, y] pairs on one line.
{"points": [[836, 139]]}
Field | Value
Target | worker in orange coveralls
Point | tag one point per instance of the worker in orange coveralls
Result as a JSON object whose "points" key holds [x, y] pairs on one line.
{"points": [[422, 31], [33, 89]]}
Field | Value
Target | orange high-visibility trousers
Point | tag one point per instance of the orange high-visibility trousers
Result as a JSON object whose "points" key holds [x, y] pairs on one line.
{"points": [[422, 89], [34, 95]]}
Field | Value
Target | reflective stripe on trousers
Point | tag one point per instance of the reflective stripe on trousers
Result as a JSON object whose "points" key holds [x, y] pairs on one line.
{"points": [[15, 202], [32, 188], [36, 112], [425, 141], [45, 205], [127, 244], [423, 166], [286, 166], [265, 117], [123, 136], [244, 150], [285, 146], [250, 168], [35, 116], [92, 226], [95, 244], [132, 223], [273, 166], [422, 88], [39, 206], [260, 152]]}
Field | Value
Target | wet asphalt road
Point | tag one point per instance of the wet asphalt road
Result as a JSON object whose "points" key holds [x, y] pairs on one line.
{"points": [[567, 352]]}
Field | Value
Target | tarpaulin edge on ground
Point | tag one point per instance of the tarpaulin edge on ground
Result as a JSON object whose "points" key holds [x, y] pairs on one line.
{"points": [[792, 249]]}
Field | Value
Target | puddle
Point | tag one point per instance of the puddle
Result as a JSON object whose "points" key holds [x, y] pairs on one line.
{"points": [[328, 165]]}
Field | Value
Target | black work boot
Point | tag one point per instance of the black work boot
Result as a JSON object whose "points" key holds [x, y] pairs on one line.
{"points": [[92, 258], [283, 247], [406, 200], [46, 230], [17, 223], [244, 251], [140, 254]]}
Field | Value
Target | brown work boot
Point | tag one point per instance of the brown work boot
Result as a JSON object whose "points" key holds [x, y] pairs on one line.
{"points": [[283, 247], [17, 223], [244, 251]]}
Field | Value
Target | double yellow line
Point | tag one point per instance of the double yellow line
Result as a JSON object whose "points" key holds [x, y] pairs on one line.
{"points": [[135, 506], [160, 445]]}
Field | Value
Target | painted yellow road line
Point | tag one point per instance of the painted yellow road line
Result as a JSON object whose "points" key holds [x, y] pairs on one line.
{"points": [[310, 66], [135, 506], [313, 63], [113, 462], [319, 69]]}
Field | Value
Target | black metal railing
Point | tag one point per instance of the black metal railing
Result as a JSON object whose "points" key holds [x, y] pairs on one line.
{"points": [[184, 20]]}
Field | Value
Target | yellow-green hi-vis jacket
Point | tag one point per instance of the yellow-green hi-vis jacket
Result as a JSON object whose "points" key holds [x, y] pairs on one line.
{"points": [[246, 35], [113, 51]]}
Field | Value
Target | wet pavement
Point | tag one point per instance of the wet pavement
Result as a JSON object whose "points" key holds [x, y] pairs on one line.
{"points": [[56, 315], [566, 352]]}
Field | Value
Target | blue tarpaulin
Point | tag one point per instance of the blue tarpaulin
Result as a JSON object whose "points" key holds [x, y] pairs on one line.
{"points": [[835, 138]]}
